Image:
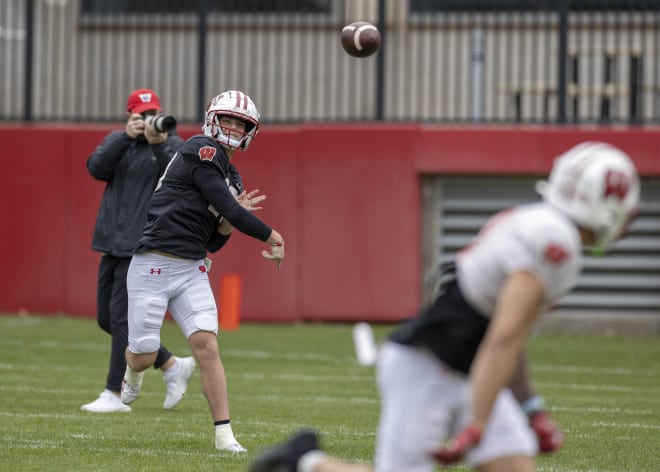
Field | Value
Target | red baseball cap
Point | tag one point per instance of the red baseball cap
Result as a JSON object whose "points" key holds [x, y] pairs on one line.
{"points": [[141, 100]]}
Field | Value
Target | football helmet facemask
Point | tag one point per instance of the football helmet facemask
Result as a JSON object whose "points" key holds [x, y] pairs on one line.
{"points": [[597, 186], [235, 104]]}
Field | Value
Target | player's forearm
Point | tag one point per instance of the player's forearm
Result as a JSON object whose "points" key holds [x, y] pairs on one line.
{"points": [[216, 192], [521, 383], [492, 371], [502, 348]]}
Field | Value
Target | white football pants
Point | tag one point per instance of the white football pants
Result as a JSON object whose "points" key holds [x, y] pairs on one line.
{"points": [[158, 283], [424, 403]]}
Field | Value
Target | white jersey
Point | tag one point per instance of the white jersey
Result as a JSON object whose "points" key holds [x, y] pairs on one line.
{"points": [[536, 238]]}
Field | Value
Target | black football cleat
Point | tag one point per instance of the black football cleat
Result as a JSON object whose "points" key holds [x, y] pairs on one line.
{"points": [[284, 457]]}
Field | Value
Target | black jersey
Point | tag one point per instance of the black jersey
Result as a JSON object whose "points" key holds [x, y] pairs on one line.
{"points": [[450, 328], [198, 188]]}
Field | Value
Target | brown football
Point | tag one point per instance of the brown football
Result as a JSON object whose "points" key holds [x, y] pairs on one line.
{"points": [[360, 39]]}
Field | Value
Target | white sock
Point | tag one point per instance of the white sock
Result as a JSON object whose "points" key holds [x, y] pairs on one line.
{"points": [[224, 435], [133, 377], [309, 460], [176, 367]]}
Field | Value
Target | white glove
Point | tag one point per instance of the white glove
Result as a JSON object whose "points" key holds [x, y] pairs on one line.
{"points": [[207, 264], [276, 253]]}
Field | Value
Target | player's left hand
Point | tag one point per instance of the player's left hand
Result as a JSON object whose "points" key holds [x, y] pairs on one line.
{"points": [[250, 200], [276, 254], [455, 449], [549, 436]]}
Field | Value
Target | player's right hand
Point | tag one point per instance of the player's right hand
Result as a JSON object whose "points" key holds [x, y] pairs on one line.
{"points": [[135, 126], [549, 436], [455, 449], [276, 254]]}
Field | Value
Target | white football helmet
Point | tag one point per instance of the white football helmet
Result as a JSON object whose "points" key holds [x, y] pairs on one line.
{"points": [[597, 186], [236, 104]]}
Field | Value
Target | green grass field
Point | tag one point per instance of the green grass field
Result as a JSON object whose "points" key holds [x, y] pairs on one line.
{"points": [[605, 392]]}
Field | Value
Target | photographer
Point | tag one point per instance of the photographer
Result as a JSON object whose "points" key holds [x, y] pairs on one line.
{"points": [[130, 162]]}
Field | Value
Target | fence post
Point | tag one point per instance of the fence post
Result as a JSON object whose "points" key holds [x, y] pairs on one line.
{"points": [[380, 62], [29, 44], [562, 10], [477, 61], [635, 79], [202, 12]]}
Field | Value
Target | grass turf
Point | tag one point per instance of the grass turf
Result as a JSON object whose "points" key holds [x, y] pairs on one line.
{"points": [[605, 392]]}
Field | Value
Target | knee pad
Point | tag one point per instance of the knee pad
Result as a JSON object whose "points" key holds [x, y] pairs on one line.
{"points": [[206, 322], [144, 324], [147, 344]]}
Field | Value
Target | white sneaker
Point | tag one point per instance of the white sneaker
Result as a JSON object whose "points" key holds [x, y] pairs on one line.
{"points": [[107, 402], [129, 392], [178, 383], [231, 447]]}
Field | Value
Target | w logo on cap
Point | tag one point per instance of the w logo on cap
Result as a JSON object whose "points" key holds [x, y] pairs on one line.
{"points": [[141, 100]]}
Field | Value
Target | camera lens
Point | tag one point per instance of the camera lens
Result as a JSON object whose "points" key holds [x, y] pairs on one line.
{"points": [[161, 123]]}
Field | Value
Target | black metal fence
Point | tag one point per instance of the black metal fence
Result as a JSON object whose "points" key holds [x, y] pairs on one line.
{"points": [[461, 61]]}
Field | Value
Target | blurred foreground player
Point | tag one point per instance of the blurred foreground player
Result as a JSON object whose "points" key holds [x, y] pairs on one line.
{"points": [[444, 374], [194, 209], [130, 161]]}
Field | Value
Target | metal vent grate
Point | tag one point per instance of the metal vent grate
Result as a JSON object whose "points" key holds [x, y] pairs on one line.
{"points": [[627, 278]]}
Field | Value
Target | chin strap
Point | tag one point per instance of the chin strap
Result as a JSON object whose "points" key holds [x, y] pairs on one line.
{"points": [[595, 250]]}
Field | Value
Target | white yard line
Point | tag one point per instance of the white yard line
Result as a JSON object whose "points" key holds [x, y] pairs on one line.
{"points": [[568, 369], [598, 387]]}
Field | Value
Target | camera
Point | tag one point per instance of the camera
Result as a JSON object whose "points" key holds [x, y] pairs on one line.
{"points": [[161, 123]]}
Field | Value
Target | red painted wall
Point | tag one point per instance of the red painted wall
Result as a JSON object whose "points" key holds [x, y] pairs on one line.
{"points": [[345, 197]]}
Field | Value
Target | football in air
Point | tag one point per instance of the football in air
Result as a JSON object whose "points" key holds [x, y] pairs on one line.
{"points": [[360, 39]]}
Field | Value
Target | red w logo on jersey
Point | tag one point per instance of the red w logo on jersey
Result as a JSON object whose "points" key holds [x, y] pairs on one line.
{"points": [[207, 153], [555, 254]]}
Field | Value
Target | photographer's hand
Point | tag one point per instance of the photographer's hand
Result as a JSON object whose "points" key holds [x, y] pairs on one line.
{"points": [[153, 136], [134, 126]]}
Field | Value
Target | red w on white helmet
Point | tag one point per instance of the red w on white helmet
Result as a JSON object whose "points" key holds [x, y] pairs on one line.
{"points": [[237, 105], [597, 186]]}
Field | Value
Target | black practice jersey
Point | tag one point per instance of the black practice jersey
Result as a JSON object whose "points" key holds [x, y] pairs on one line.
{"points": [[198, 188], [450, 328]]}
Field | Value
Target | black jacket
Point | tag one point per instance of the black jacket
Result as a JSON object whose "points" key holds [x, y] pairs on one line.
{"points": [[131, 168]]}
